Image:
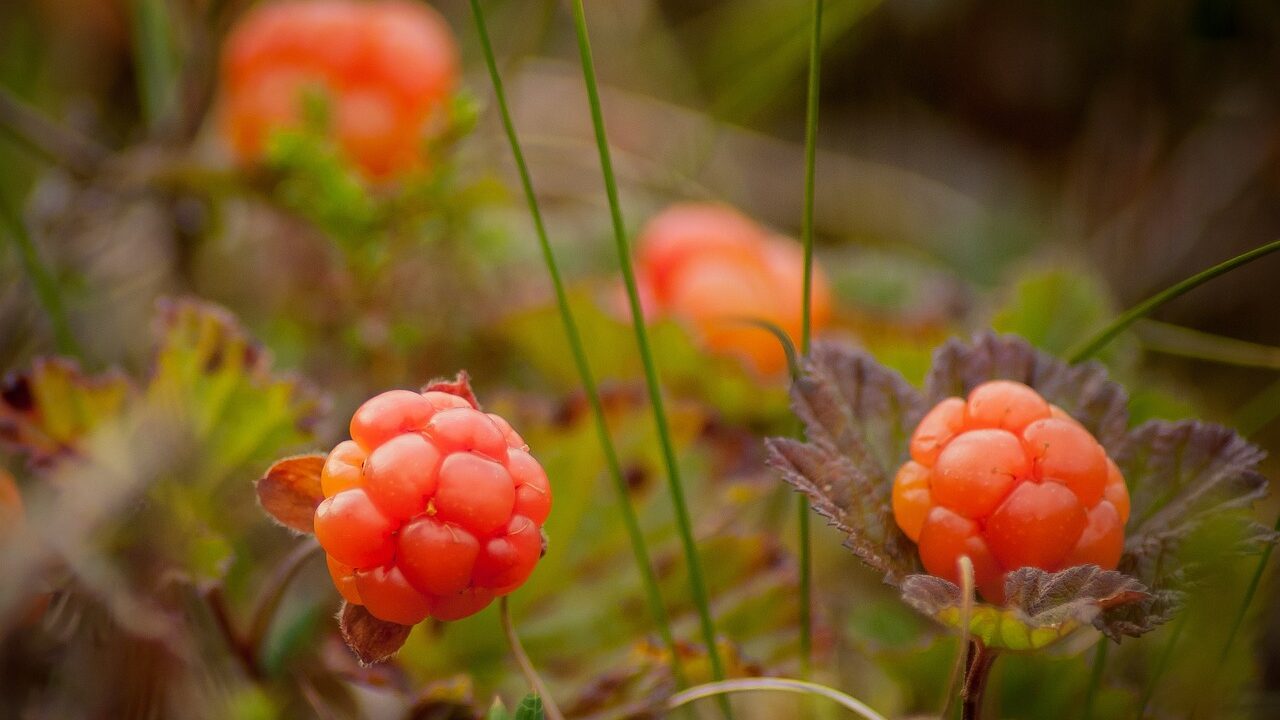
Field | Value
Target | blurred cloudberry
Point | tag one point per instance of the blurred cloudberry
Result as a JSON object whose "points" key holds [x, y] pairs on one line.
{"points": [[433, 509], [385, 67], [712, 267], [1011, 481]]}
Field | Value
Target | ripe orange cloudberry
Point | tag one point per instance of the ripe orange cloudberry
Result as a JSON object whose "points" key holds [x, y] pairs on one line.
{"points": [[711, 266], [385, 67], [1011, 481], [432, 509]]}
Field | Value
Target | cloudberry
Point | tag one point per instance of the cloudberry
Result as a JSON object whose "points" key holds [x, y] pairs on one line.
{"points": [[433, 509], [712, 267], [1011, 481], [385, 67]]}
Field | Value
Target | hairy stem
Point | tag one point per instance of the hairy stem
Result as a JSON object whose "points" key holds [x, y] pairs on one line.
{"points": [[981, 659], [629, 519], [697, 585], [530, 674]]}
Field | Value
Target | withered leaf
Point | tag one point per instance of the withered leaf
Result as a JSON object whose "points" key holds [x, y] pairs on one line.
{"points": [[372, 640], [1040, 607], [290, 491], [460, 385], [858, 418], [1180, 474], [48, 411], [1082, 390]]}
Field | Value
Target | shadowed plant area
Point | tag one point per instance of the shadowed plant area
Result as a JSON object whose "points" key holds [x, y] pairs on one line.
{"points": [[625, 359]]}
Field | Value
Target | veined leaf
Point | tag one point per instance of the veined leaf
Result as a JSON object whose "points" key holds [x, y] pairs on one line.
{"points": [[290, 491]]}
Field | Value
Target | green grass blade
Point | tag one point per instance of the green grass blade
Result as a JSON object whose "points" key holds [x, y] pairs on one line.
{"points": [[1088, 349], [806, 330], [696, 582], [629, 518], [46, 286], [1095, 678], [153, 59]]}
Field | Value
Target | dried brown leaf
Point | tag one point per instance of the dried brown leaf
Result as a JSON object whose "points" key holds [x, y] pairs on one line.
{"points": [[460, 385], [372, 640], [290, 491]]}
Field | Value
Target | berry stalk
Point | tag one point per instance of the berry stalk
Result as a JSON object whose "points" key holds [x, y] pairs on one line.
{"points": [[638, 547], [696, 583], [522, 659]]}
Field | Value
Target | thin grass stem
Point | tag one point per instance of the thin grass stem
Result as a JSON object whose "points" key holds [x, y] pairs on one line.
{"points": [[632, 523], [522, 659], [44, 282], [848, 702], [806, 330], [697, 584]]}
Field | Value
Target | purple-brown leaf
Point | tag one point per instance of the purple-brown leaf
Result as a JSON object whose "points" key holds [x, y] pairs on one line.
{"points": [[290, 491], [372, 640], [1180, 474], [858, 418], [1082, 390]]}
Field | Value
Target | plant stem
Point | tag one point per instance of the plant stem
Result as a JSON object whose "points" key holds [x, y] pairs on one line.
{"points": [[272, 592], [1162, 664], [806, 235], [46, 286], [629, 518], [1093, 345], [530, 674], [777, 685], [965, 566], [153, 59], [46, 138], [696, 583], [981, 658], [1095, 679]]}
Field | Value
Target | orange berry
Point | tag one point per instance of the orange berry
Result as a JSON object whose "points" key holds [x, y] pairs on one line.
{"points": [[507, 560], [911, 498], [1036, 526], [1102, 541], [466, 603], [352, 529], [1116, 492], [1065, 452], [388, 596], [976, 471], [437, 558], [343, 468], [433, 509], [467, 430], [344, 578], [687, 230], [400, 475], [387, 67], [945, 537], [1012, 482], [474, 492], [1004, 404], [936, 429], [389, 414]]}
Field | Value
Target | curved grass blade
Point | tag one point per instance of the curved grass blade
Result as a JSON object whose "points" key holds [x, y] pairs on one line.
{"points": [[848, 702], [638, 548], [1087, 349]]}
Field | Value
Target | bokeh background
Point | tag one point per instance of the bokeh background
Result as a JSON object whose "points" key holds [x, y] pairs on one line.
{"points": [[1029, 166]]}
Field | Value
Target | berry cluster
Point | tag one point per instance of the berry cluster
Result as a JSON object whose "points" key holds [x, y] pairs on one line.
{"points": [[1011, 481], [385, 67], [432, 509], [712, 267]]}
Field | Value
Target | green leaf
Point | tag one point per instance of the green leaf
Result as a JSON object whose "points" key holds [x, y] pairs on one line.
{"points": [[530, 708], [1053, 308], [497, 711], [1041, 607], [858, 418]]}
